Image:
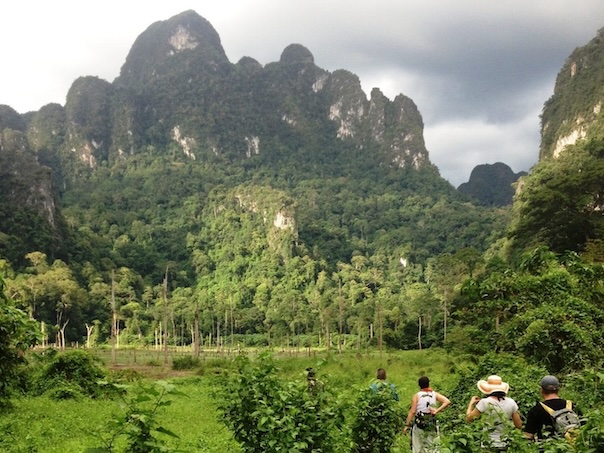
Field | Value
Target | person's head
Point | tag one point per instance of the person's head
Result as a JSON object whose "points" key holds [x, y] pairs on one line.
{"points": [[381, 374], [310, 373], [423, 382], [549, 385]]}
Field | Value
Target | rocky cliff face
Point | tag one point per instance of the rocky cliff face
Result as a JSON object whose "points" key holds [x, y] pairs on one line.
{"points": [[29, 216], [574, 112], [178, 92], [25, 183]]}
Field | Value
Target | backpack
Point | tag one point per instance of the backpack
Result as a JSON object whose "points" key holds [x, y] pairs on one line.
{"points": [[426, 422], [566, 421], [380, 386]]}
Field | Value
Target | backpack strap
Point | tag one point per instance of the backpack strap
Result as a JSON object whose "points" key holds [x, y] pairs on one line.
{"points": [[548, 409]]}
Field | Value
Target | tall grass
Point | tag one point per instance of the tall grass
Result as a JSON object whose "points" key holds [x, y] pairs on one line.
{"points": [[46, 425]]}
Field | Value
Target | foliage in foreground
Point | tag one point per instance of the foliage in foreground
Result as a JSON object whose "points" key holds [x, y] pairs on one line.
{"points": [[139, 425], [377, 422], [17, 334], [586, 389], [468, 438], [35, 423], [269, 414]]}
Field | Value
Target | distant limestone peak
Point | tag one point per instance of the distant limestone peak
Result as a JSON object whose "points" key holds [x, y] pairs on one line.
{"points": [[186, 43], [296, 53], [491, 184]]}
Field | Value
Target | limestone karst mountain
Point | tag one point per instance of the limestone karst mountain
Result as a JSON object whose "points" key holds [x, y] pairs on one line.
{"points": [[491, 184], [574, 112], [178, 90]]}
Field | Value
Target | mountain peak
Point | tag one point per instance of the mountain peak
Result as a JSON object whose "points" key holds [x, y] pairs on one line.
{"points": [[296, 53], [186, 43], [491, 184]]}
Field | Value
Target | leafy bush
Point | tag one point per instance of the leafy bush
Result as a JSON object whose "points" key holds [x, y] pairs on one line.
{"points": [[76, 372], [185, 363], [591, 437], [268, 414], [377, 421], [469, 438], [139, 424], [64, 392], [585, 388], [17, 333], [560, 337]]}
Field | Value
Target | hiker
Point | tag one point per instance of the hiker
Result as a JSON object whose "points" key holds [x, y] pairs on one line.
{"points": [[380, 383], [554, 417], [424, 407], [497, 406], [311, 381]]}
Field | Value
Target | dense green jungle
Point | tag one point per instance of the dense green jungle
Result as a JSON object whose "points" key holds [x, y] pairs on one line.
{"points": [[175, 255]]}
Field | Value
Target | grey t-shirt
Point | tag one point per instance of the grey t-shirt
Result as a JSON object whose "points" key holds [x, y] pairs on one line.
{"points": [[499, 413]]}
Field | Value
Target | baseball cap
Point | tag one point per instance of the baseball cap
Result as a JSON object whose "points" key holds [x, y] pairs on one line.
{"points": [[550, 383]]}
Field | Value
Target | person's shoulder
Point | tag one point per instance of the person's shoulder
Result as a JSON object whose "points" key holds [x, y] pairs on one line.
{"points": [[555, 403], [513, 404], [482, 404], [536, 408]]}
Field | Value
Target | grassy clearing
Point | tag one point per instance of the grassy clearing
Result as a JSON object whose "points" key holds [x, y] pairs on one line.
{"points": [[45, 425]]}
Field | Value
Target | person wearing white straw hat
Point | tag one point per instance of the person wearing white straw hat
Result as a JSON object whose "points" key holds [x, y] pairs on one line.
{"points": [[497, 406]]}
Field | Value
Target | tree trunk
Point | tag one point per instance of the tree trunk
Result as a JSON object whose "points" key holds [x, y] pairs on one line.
{"points": [[232, 329], [113, 319], [44, 335], [89, 329], [419, 332], [196, 333], [445, 321], [380, 328], [61, 336], [165, 320]]}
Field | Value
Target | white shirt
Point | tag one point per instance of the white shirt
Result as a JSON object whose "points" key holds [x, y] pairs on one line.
{"points": [[499, 411]]}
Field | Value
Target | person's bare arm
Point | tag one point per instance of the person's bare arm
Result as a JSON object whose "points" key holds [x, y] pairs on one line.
{"points": [[472, 413], [517, 420], [411, 413], [444, 402]]}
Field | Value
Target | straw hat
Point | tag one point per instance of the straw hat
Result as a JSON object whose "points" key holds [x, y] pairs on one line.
{"points": [[492, 384]]}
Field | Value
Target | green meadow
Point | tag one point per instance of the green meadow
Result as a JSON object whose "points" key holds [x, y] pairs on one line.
{"points": [[42, 424]]}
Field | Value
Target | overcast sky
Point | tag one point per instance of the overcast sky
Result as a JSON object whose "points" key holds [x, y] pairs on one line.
{"points": [[478, 70]]}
